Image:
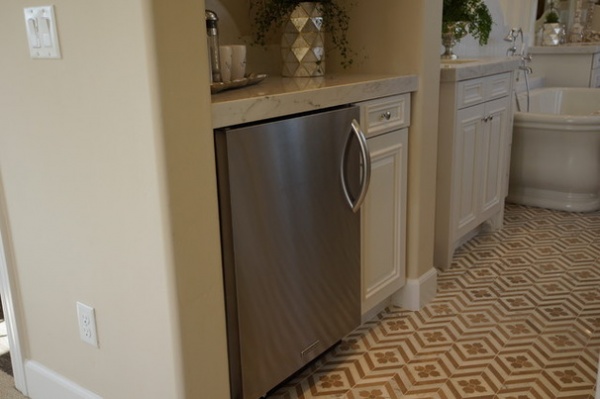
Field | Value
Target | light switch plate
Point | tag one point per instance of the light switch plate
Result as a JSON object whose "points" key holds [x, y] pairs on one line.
{"points": [[41, 32]]}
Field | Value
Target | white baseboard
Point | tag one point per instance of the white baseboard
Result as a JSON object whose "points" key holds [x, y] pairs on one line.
{"points": [[417, 292], [43, 383], [598, 383]]}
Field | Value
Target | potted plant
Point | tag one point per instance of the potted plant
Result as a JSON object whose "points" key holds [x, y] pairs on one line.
{"points": [[330, 16], [462, 17], [553, 30]]}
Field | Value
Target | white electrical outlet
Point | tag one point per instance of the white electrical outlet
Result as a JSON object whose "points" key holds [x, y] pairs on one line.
{"points": [[87, 324]]}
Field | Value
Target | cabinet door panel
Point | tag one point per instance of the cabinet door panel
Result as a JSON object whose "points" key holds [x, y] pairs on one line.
{"points": [[466, 168], [492, 151], [383, 219]]}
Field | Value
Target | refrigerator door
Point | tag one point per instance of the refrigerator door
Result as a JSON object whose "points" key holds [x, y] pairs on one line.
{"points": [[291, 243]]}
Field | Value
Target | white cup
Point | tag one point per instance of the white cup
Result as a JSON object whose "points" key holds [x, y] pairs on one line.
{"points": [[225, 60], [238, 61]]}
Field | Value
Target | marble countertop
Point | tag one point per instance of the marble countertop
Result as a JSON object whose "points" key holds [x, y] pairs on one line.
{"points": [[569, 48], [277, 96], [476, 68]]}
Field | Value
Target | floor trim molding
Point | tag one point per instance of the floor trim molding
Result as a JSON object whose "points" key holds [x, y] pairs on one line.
{"points": [[9, 300], [43, 383], [597, 396], [417, 292]]}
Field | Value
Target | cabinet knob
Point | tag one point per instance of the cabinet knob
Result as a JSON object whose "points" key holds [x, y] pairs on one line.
{"points": [[386, 116]]}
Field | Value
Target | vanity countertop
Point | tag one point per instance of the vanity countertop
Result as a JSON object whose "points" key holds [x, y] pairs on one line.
{"points": [[277, 96], [569, 48], [454, 71]]}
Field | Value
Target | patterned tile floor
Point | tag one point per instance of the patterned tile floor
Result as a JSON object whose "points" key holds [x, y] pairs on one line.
{"points": [[517, 316]]}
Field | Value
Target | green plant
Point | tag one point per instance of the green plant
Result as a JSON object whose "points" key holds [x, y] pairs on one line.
{"points": [[474, 12], [271, 15], [552, 17]]}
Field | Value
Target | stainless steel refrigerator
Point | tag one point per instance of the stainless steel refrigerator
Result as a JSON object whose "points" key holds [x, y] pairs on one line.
{"points": [[289, 195]]}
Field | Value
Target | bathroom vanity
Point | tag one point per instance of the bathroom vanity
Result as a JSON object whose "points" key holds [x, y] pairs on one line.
{"points": [[568, 65], [475, 130]]}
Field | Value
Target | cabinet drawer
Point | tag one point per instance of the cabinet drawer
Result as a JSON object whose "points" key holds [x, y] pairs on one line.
{"points": [[471, 92], [498, 86], [385, 114], [475, 91]]}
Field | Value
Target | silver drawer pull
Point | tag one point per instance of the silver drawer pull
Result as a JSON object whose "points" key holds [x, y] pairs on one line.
{"points": [[386, 116]]}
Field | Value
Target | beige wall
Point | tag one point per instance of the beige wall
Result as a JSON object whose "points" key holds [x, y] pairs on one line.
{"points": [[190, 167], [83, 146]]}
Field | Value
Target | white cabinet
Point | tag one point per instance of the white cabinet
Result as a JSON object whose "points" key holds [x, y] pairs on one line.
{"points": [[479, 152], [383, 214], [473, 153]]}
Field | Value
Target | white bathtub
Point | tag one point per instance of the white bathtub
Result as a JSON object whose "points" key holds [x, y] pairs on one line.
{"points": [[555, 156]]}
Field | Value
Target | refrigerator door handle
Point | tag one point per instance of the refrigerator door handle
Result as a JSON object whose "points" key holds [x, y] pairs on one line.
{"points": [[366, 159], [366, 168]]}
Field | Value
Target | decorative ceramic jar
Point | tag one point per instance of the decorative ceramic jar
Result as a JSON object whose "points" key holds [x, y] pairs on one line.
{"points": [[553, 34], [303, 42]]}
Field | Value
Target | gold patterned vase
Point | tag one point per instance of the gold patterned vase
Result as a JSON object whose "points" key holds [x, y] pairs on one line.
{"points": [[303, 42]]}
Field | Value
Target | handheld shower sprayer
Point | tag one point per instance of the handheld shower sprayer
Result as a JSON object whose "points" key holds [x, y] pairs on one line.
{"points": [[524, 67]]}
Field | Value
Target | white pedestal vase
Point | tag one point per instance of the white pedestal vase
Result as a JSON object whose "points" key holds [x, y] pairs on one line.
{"points": [[303, 42]]}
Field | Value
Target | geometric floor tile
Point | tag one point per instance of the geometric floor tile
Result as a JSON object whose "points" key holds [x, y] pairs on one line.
{"points": [[516, 316]]}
